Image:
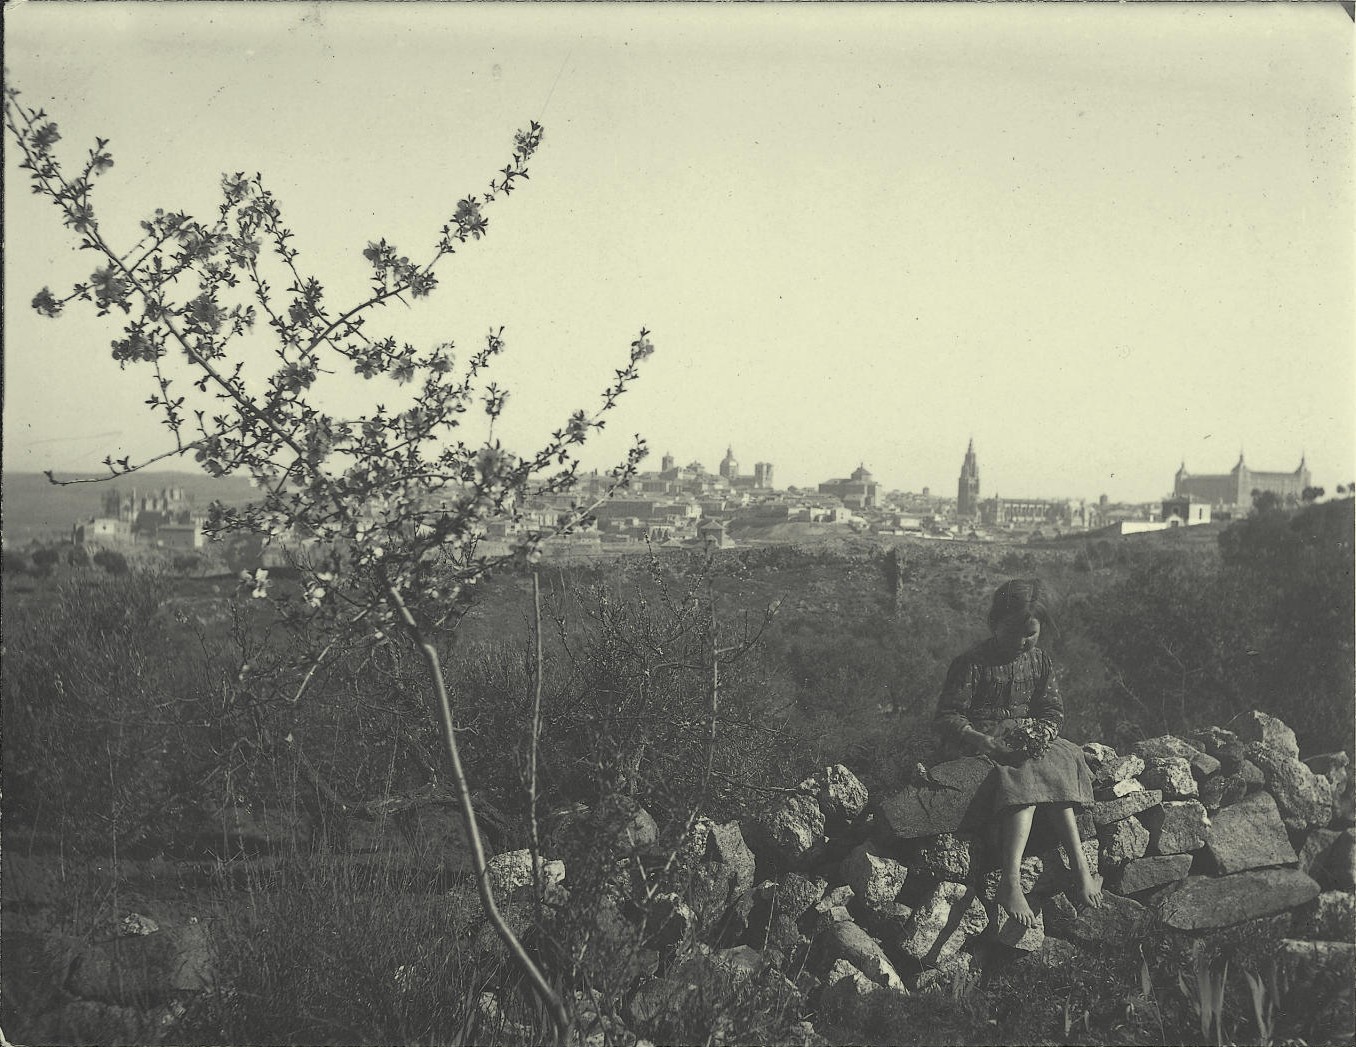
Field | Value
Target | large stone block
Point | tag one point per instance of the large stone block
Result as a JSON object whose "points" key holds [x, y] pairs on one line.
{"points": [[1336, 767], [1305, 960], [1205, 902], [778, 906], [1177, 827], [727, 851], [843, 894], [1329, 856], [947, 918], [1121, 769], [1123, 840], [874, 878], [1313, 853], [1163, 746], [1107, 767], [1257, 726], [721, 890], [1115, 790], [1172, 775], [1221, 790], [1145, 874], [831, 909], [825, 916], [887, 923], [1104, 812], [956, 793], [947, 856], [1213, 740], [1097, 756], [1340, 863], [670, 923], [1005, 930], [1344, 809], [842, 797], [845, 940], [1203, 765], [1304, 798], [1249, 835], [1115, 920], [1230, 753], [789, 832], [511, 872], [1329, 917]]}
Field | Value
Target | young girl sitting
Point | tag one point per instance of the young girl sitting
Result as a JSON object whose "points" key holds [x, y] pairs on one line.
{"points": [[1000, 700]]}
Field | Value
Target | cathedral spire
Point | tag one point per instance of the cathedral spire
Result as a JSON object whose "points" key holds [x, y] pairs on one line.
{"points": [[967, 489]]}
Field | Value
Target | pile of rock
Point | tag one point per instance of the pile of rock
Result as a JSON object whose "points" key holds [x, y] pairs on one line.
{"points": [[1198, 833], [1206, 831]]}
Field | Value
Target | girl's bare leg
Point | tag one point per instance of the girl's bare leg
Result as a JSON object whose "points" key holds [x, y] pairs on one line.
{"points": [[1016, 828], [1087, 888]]}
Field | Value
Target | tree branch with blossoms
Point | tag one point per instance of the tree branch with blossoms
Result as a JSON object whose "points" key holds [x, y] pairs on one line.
{"points": [[385, 512]]}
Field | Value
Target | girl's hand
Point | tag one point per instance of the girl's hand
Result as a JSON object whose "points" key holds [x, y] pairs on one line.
{"points": [[986, 744]]}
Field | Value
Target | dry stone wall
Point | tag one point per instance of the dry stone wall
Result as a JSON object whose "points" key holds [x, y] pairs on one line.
{"points": [[1195, 833], [898, 892]]}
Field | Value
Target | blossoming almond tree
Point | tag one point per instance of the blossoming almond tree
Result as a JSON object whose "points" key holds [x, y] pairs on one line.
{"points": [[386, 510]]}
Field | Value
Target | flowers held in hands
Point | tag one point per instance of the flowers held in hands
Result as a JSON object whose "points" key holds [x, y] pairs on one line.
{"points": [[1028, 739]]}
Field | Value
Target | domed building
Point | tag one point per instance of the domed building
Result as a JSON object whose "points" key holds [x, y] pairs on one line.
{"points": [[858, 491], [729, 465]]}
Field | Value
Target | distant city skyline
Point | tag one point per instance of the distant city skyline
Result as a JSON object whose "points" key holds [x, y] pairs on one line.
{"points": [[943, 491], [1099, 239], [656, 463]]}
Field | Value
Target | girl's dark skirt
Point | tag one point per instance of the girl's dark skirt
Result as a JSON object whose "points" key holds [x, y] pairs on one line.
{"points": [[1059, 775]]}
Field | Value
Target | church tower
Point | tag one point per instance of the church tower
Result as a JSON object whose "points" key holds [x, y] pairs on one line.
{"points": [[967, 490], [729, 465]]}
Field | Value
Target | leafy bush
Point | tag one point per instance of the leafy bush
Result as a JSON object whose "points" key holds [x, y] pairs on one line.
{"points": [[119, 734], [44, 559], [111, 561], [1191, 643], [14, 563], [329, 951]]}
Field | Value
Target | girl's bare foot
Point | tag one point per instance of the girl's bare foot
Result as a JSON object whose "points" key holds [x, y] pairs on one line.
{"points": [[1087, 890], [1011, 898]]}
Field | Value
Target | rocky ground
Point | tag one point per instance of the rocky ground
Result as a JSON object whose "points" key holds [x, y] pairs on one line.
{"points": [[841, 895]]}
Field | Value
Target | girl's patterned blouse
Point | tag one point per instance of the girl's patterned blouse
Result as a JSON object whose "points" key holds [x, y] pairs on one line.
{"points": [[983, 688]]}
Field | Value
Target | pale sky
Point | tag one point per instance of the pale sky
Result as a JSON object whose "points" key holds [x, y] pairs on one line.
{"points": [[1098, 239]]}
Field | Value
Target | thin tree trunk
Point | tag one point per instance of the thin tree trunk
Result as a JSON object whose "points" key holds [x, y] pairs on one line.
{"points": [[549, 997], [533, 740]]}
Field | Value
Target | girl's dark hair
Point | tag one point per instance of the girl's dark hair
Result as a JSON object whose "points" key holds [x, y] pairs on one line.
{"points": [[1025, 597]]}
